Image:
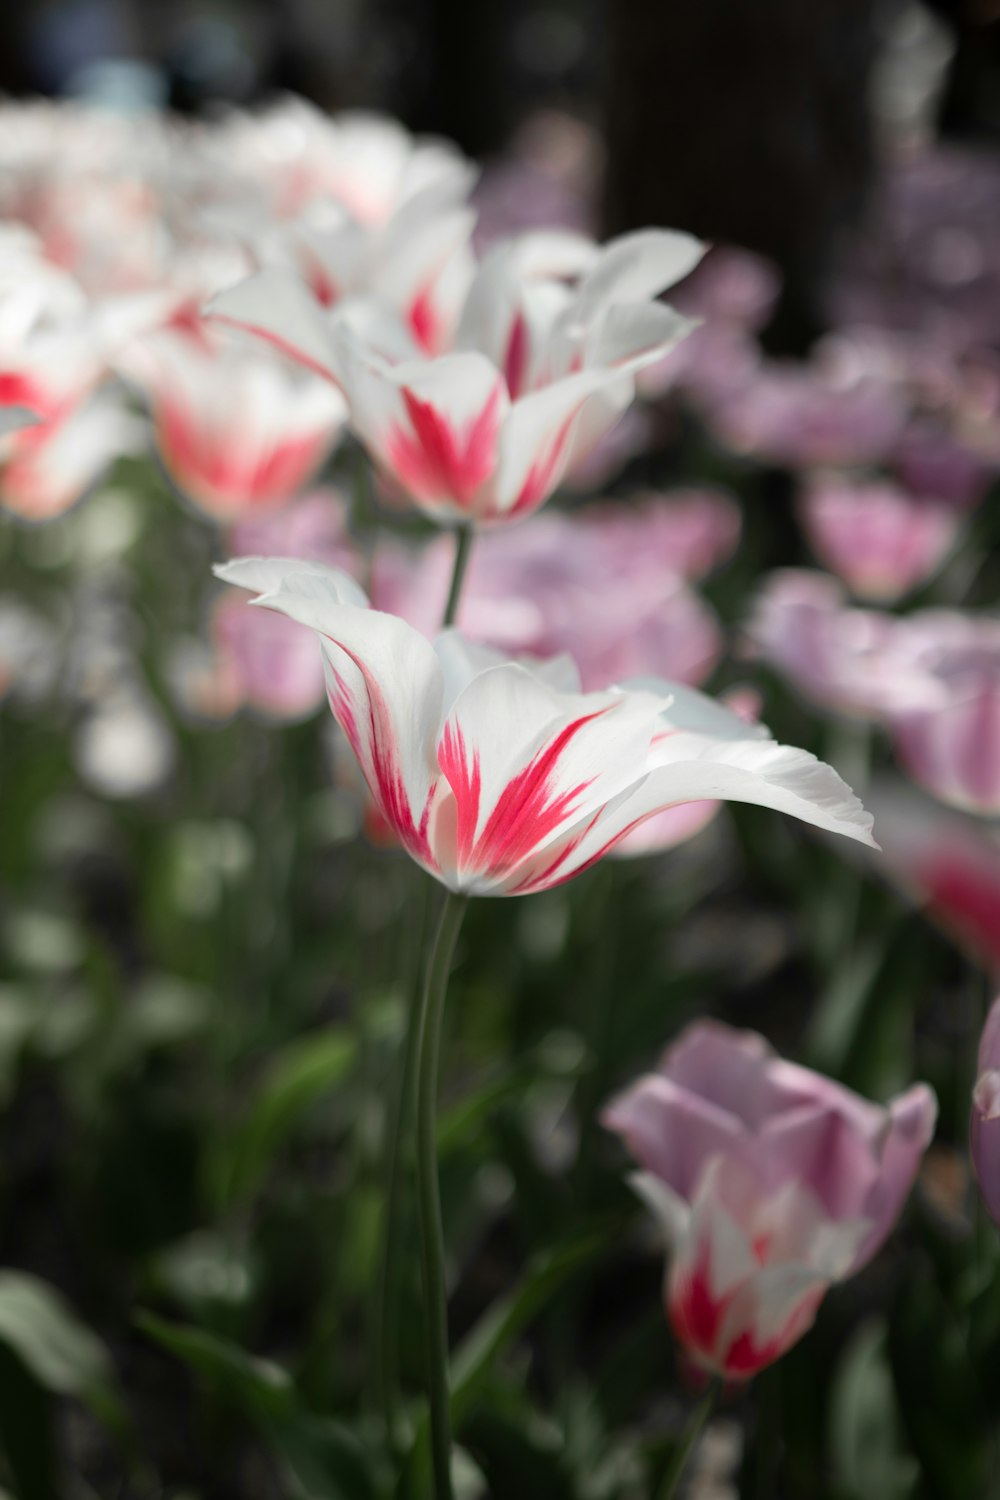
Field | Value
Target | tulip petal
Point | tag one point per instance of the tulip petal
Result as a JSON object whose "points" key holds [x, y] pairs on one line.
{"points": [[761, 772], [538, 441], [636, 267], [383, 681], [526, 762], [277, 306], [672, 1131], [435, 426], [912, 1117]]}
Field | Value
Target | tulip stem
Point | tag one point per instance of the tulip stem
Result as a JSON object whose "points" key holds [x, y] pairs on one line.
{"points": [[385, 1329], [679, 1462], [463, 546], [428, 1195]]}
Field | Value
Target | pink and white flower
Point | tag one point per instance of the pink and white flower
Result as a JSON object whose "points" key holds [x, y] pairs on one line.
{"points": [[237, 429], [45, 468], [749, 1266], [771, 1181], [503, 780], [881, 541], [539, 373], [984, 1128]]}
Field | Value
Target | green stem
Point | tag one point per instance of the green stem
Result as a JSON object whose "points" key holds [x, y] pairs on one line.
{"points": [[385, 1342], [463, 546], [428, 1196], [680, 1459]]}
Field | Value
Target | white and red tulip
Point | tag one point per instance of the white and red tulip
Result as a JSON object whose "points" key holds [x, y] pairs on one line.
{"points": [[539, 374], [237, 429], [499, 782]]}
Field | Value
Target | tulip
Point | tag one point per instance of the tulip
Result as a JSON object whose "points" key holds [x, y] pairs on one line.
{"points": [[946, 862], [836, 656], [503, 780], [749, 1265], [881, 541], [771, 1180], [47, 467], [944, 709], [366, 163], [539, 374], [237, 430], [719, 1091], [793, 416], [984, 1127]]}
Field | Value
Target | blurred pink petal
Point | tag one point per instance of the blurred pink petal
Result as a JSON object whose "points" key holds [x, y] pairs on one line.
{"points": [[944, 707], [603, 583], [793, 416], [984, 1127], [724, 1092], [946, 862], [881, 541], [836, 656]]}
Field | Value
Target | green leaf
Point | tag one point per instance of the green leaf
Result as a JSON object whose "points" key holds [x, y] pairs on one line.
{"points": [[508, 1317], [324, 1459], [55, 1347], [496, 1331], [257, 1387], [298, 1077], [867, 1451]]}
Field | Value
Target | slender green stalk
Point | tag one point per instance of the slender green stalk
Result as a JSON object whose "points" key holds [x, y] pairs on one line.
{"points": [[463, 546], [428, 1196], [385, 1321], [681, 1457], [385, 1342]]}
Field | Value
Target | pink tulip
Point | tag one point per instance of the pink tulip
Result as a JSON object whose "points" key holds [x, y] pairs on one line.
{"points": [[881, 541], [314, 528], [503, 779], [984, 1127], [836, 656], [603, 583], [792, 415], [944, 707], [238, 431], [539, 374], [745, 1152], [935, 463], [947, 863]]}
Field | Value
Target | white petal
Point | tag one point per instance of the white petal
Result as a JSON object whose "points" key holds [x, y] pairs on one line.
{"points": [[669, 1209], [266, 575], [632, 335], [383, 677], [538, 439], [278, 306], [636, 267]]}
